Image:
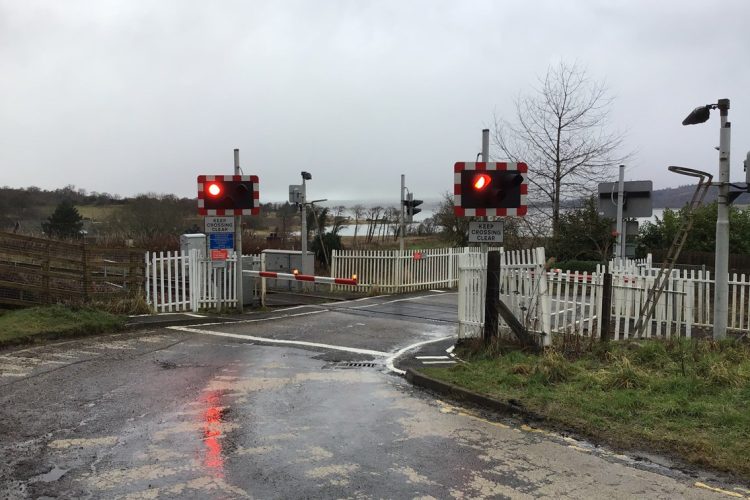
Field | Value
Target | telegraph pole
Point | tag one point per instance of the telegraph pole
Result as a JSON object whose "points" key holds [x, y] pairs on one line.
{"points": [[238, 242]]}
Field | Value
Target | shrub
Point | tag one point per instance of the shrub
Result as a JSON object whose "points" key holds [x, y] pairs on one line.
{"points": [[588, 266]]}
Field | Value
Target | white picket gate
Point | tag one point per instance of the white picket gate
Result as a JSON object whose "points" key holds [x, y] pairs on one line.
{"points": [[472, 286], [180, 281], [523, 288]]}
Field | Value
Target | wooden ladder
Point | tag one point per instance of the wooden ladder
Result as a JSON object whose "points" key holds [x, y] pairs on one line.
{"points": [[654, 293]]}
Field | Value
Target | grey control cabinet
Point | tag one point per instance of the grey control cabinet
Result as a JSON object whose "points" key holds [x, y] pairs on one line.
{"points": [[285, 261]]}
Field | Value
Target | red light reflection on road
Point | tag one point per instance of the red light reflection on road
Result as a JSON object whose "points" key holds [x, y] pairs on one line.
{"points": [[211, 416]]}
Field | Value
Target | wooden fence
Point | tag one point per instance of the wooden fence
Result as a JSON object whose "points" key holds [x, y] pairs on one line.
{"points": [[35, 271]]}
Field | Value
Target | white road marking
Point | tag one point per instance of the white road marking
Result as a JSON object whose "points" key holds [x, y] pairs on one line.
{"points": [[438, 291], [449, 362], [450, 349], [340, 302], [281, 342], [291, 308], [258, 320], [431, 357], [193, 315], [389, 361], [390, 302]]}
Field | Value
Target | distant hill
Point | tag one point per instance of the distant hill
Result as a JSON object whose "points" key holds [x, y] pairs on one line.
{"points": [[677, 197]]}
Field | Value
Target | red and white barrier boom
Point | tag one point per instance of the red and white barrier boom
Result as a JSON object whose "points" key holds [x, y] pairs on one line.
{"points": [[302, 277]]}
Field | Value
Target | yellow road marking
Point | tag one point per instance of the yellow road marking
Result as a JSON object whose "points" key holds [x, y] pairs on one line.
{"points": [[718, 490]]}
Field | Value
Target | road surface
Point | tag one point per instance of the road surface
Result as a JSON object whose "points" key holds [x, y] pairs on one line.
{"points": [[297, 403]]}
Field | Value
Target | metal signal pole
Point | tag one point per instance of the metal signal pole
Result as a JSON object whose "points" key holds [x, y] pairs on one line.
{"points": [[403, 208], [485, 158], [620, 253], [238, 241]]}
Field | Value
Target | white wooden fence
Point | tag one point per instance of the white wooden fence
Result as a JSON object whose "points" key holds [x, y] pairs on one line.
{"points": [[557, 302], [689, 301], [393, 271]]}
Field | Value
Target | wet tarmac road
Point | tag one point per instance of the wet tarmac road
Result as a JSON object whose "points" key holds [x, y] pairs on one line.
{"points": [[289, 404]]}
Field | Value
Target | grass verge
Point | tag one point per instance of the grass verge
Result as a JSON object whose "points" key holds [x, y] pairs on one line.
{"points": [[685, 398], [24, 326]]}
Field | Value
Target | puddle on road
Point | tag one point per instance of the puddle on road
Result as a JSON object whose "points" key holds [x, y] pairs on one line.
{"points": [[53, 475]]}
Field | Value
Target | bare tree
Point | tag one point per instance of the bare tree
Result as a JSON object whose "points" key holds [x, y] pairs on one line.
{"points": [[340, 220], [359, 212], [561, 132], [373, 216], [391, 221]]}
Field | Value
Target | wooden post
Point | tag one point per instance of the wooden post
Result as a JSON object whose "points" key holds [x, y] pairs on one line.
{"points": [[84, 262], [492, 295], [606, 307], [46, 274]]}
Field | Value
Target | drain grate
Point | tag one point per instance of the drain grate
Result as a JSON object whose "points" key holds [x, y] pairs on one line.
{"points": [[352, 364], [361, 365]]}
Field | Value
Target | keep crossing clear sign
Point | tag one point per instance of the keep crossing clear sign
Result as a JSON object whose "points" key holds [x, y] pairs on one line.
{"points": [[219, 224], [486, 232], [220, 231]]}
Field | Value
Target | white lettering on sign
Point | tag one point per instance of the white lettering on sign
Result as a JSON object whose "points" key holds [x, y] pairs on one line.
{"points": [[219, 224], [486, 232]]}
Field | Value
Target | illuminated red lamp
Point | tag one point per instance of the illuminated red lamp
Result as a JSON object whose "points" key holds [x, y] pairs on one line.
{"points": [[481, 181], [214, 189]]}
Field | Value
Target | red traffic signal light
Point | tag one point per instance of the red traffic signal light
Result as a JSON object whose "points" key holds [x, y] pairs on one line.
{"points": [[481, 181], [228, 195], [489, 188], [214, 189]]}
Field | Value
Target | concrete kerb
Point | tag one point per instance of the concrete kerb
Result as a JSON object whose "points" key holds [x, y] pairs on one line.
{"points": [[459, 394]]}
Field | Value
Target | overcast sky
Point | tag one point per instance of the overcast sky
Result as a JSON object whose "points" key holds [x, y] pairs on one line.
{"points": [[142, 96]]}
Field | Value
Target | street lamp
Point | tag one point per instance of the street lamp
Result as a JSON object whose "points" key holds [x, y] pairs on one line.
{"points": [[721, 289], [306, 176]]}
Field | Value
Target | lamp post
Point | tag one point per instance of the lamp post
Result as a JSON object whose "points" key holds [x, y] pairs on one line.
{"points": [[721, 271], [303, 223]]}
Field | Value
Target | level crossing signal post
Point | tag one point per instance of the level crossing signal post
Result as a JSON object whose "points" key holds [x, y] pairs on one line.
{"points": [[409, 208], [498, 189], [230, 196]]}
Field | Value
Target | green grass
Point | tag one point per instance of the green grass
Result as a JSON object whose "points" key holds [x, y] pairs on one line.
{"points": [[685, 398], [40, 323]]}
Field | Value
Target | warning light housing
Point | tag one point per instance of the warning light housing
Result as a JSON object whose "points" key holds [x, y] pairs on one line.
{"points": [[228, 195], [490, 189], [493, 189]]}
